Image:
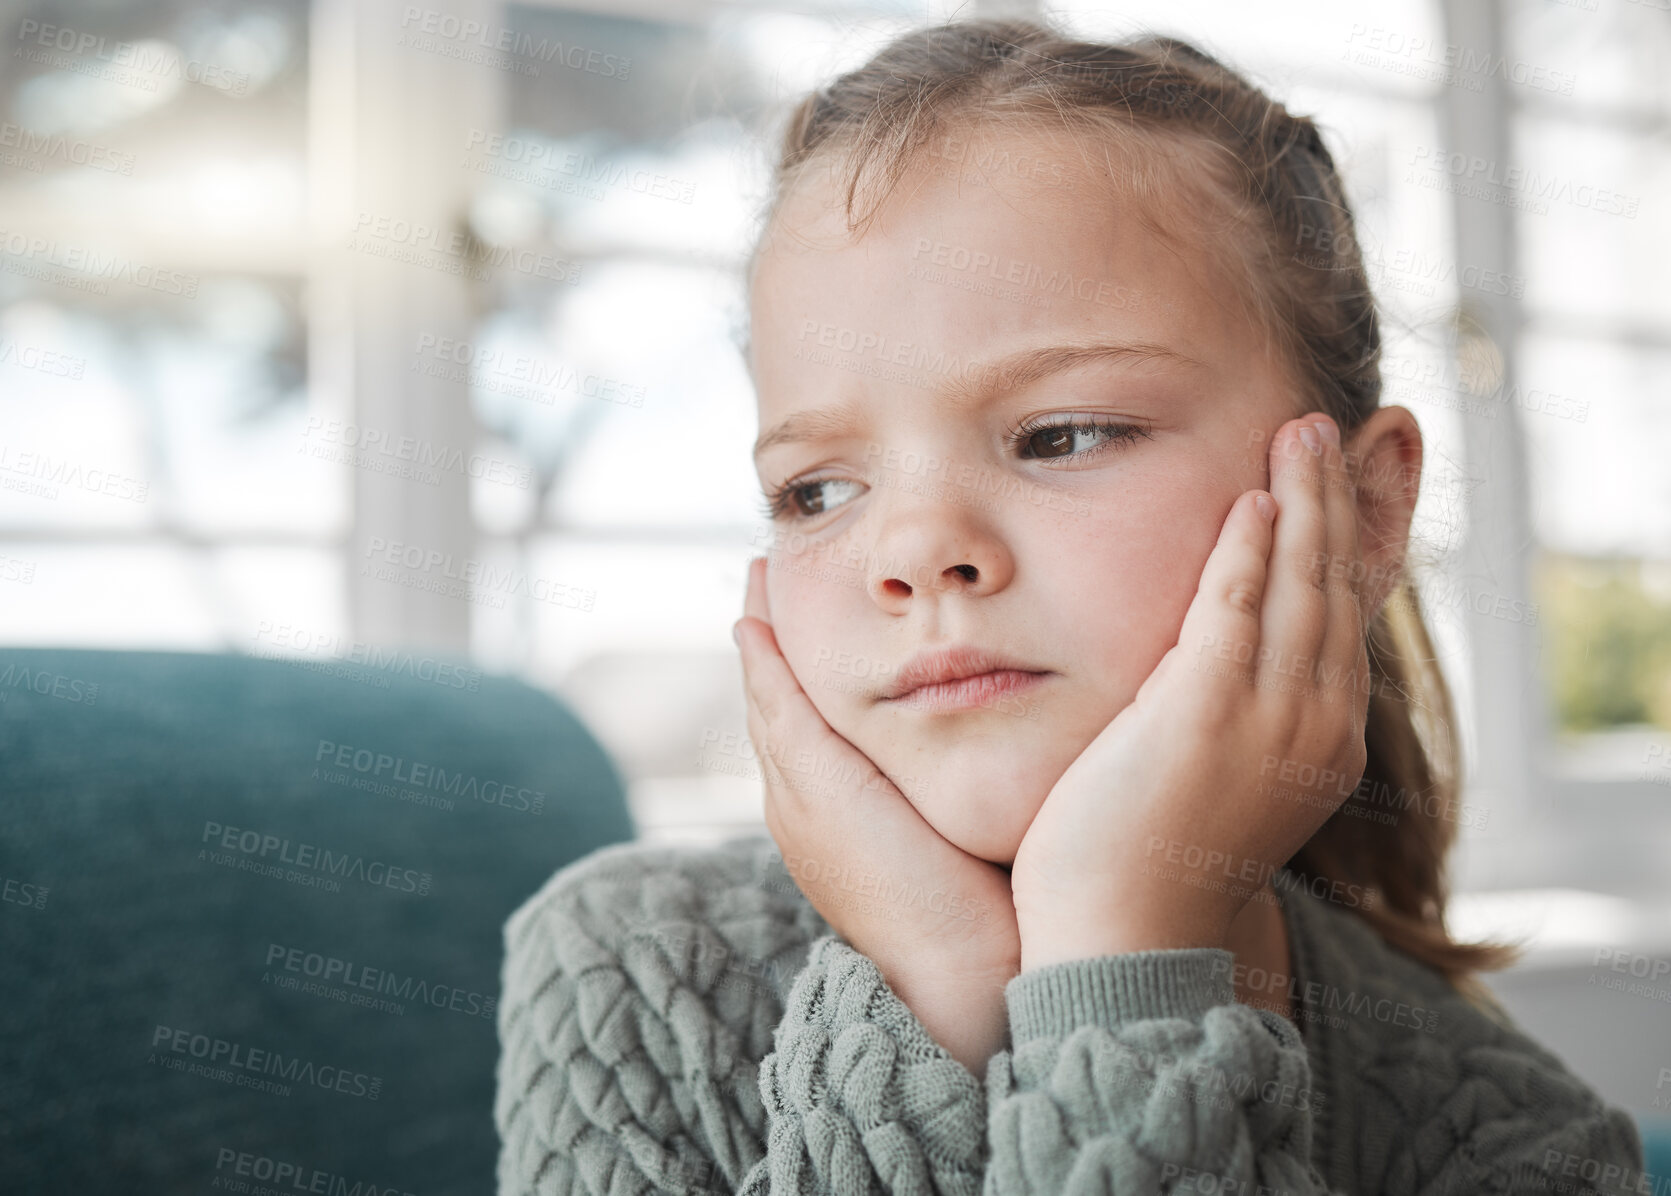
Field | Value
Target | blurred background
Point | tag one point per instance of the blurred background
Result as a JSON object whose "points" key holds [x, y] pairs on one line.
{"points": [[379, 333]]}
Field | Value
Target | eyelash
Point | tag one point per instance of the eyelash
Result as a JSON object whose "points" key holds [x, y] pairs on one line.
{"points": [[776, 504]]}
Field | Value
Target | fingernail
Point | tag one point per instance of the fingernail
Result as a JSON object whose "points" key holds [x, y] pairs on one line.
{"points": [[1330, 431], [1266, 507], [737, 633], [1308, 436]]}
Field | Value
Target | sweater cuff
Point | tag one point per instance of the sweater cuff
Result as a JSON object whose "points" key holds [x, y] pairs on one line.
{"points": [[854, 1075], [1111, 990]]}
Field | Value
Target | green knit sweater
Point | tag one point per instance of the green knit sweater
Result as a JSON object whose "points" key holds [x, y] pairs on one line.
{"points": [[681, 1019]]}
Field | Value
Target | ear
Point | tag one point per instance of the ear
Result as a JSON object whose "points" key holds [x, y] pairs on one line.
{"points": [[1384, 457]]}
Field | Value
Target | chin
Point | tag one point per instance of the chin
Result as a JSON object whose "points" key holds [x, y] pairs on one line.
{"points": [[980, 814]]}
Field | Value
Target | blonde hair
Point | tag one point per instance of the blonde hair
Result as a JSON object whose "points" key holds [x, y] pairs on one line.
{"points": [[1271, 197]]}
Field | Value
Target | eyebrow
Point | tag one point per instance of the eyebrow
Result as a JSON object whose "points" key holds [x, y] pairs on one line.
{"points": [[1019, 369]]}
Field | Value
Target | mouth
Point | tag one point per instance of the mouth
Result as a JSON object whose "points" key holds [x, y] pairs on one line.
{"points": [[960, 678], [970, 693]]}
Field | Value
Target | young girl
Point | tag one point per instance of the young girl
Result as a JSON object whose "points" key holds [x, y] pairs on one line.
{"points": [[1108, 776]]}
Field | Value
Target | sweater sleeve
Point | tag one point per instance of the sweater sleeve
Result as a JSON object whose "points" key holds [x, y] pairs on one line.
{"points": [[1128, 1074], [859, 1097], [1511, 1120], [627, 1068], [1131, 1073], [1141, 1073], [1596, 1153], [614, 1075]]}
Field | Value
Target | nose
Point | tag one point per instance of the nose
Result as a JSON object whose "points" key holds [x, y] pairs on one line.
{"points": [[931, 548], [892, 585]]}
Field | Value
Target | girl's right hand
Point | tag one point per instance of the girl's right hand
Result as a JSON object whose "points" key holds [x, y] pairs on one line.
{"points": [[869, 863]]}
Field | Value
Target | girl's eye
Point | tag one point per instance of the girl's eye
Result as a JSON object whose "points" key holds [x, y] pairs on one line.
{"points": [[1062, 441], [1037, 441], [788, 500]]}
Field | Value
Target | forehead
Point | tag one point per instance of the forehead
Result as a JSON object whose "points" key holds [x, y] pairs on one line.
{"points": [[989, 242]]}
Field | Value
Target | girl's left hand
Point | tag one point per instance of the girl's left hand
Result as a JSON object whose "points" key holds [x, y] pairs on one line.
{"points": [[1184, 806]]}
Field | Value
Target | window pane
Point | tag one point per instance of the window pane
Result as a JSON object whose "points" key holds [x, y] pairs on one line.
{"points": [[139, 412], [1601, 502], [162, 595], [1589, 53], [1381, 46], [1593, 203], [1597, 417], [151, 338], [1609, 659]]}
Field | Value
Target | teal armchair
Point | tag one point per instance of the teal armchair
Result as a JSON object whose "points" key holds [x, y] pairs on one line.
{"points": [[251, 926]]}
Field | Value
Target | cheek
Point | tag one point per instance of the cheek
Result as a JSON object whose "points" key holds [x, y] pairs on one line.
{"points": [[803, 610], [1125, 583]]}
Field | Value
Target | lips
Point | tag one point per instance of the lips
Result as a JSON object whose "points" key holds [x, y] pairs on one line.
{"points": [[952, 664]]}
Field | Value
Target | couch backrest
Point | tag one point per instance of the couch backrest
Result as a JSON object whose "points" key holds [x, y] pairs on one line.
{"points": [[251, 926]]}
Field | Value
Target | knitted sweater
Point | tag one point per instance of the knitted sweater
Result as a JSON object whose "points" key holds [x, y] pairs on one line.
{"points": [[681, 1019]]}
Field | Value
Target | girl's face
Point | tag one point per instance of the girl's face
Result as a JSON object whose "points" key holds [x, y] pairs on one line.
{"points": [[917, 522]]}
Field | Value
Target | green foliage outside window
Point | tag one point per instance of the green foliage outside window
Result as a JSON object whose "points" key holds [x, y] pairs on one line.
{"points": [[1608, 628]]}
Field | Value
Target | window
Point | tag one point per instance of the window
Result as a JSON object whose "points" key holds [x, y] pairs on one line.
{"points": [[321, 326]]}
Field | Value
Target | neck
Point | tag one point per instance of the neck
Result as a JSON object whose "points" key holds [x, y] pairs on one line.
{"points": [[1258, 939]]}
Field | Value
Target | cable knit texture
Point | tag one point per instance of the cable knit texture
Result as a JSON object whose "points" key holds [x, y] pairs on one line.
{"points": [[681, 1020]]}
